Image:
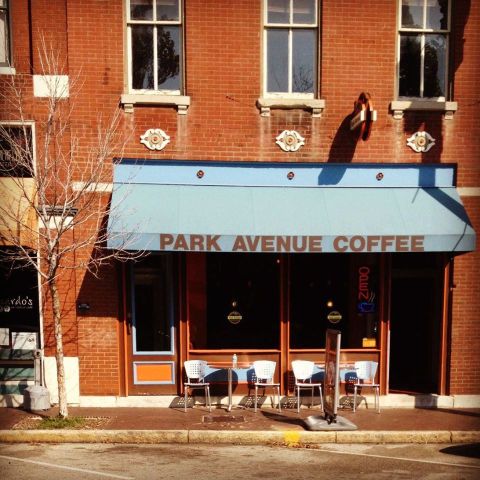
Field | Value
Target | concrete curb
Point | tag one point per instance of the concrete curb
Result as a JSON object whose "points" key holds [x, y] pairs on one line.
{"points": [[251, 437]]}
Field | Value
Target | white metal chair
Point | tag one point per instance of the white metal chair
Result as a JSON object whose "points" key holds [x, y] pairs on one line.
{"points": [[366, 371], [195, 372], [264, 372], [303, 371]]}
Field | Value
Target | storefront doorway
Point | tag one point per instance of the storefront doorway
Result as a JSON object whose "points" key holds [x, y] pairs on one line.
{"points": [[151, 331], [415, 324]]}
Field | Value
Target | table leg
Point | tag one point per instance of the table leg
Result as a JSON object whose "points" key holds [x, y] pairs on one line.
{"points": [[230, 396]]}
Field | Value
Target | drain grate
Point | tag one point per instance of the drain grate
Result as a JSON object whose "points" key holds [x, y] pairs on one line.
{"points": [[223, 418]]}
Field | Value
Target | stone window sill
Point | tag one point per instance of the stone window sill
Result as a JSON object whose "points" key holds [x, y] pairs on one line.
{"points": [[128, 100], [7, 71], [398, 107], [315, 105]]}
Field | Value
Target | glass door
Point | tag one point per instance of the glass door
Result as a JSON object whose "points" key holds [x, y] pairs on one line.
{"points": [[152, 361]]}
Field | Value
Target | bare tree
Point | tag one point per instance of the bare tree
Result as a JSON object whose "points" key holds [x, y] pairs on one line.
{"points": [[65, 181]]}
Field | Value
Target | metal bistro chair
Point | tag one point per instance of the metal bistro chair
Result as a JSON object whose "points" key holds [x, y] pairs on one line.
{"points": [[303, 371], [366, 371], [264, 372], [195, 372]]}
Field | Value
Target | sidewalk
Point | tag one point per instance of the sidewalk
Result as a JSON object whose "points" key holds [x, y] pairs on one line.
{"points": [[243, 426]]}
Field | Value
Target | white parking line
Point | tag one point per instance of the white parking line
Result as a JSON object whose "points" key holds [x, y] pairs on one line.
{"points": [[63, 467], [400, 458]]}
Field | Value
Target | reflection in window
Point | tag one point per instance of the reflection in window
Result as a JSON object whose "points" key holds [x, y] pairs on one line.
{"points": [[152, 300], [318, 287], [424, 30], [4, 35], [247, 284], [155, 35], [291, 47]]}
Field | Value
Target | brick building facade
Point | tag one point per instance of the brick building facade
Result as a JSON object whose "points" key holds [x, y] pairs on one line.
{"points": [[219, 107]]}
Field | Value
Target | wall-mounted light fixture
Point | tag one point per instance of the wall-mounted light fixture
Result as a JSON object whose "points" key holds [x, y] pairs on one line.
{"points": [[83, 307]]}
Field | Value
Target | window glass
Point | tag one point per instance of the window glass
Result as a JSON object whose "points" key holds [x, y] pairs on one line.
{"points": [[16, 151], [437, 14], [423, 53], [141, 10], [304, 11], [277, 60], [167, 10], [278, 11], [4, 35], [435, 49], [155, 34], [291, 47], [410, 66], [168, 51], [303, 62], [19, 306], [249, 285], [153, 314], [142, 57], [318, 287], [412, 13]]}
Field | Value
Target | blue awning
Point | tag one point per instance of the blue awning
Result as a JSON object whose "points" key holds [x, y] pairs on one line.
{"points": [[286, 217]]}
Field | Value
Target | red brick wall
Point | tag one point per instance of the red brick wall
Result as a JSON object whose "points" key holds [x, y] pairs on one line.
{"points": [[223, 80]]}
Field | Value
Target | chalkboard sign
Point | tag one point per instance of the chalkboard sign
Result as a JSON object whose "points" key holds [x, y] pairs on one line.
{"points": [[332, 374]]}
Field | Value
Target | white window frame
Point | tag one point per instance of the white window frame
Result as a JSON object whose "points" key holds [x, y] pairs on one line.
{"points": [[291, 27], [6, 67], [154, 23], [422, 32]]}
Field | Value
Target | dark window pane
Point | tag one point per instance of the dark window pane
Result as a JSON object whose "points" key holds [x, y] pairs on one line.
{"points": [[303, 61], [304, 11], [435, 56], [142, 57], [437, 14], [167, 10], [152, 305], [169, 57], [409, 66], [278, 11], [247, 284], [16, 151], [141, 10], [319, 285], [19, 306], [277, 60], [4, 48], [412, 13]]}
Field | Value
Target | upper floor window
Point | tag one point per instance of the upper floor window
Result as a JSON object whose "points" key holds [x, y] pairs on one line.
{"points": [[423, 48], [154, 32], [5, 59], [290, 47]]}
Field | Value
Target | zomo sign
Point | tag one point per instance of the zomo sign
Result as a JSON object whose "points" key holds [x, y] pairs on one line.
{"points": [[291, 243], [366, 294]]}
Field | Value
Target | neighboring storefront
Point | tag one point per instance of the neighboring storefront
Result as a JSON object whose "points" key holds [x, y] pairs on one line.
{"points": [[259, 260]]}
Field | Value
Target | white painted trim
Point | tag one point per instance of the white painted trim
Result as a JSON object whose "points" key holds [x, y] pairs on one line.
{"points": [[7, 71], [102, 187], [469, 191], [49, 85]]}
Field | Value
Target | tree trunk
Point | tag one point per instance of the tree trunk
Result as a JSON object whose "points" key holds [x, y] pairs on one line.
{"points": [[57, 316]]}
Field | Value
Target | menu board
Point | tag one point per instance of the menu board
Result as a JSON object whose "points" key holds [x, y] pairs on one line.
{"points": [[332, 374]]}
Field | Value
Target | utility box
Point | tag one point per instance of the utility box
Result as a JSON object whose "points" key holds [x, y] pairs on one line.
{"points": [[36, 398]]}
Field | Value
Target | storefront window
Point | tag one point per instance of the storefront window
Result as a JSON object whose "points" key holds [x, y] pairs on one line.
{"points": [[18, 296], [319, 290], [243, 301]]}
